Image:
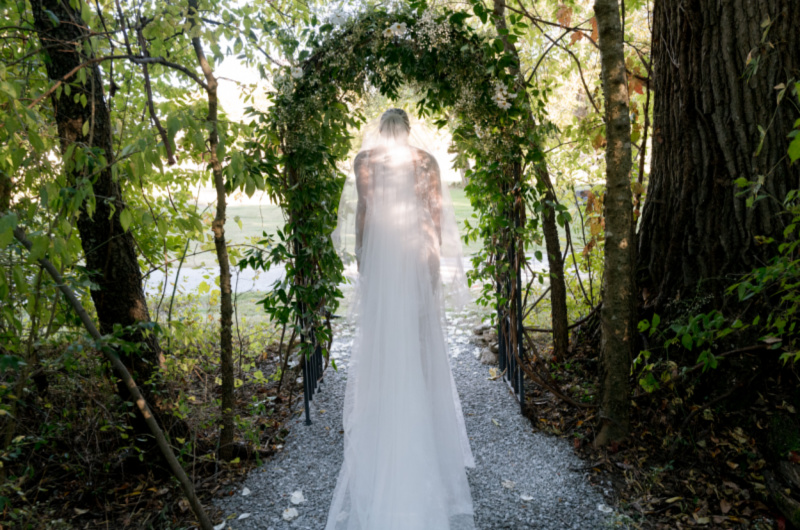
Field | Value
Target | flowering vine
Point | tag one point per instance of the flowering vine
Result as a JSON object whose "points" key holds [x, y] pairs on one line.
{"points": [[308, 129]]}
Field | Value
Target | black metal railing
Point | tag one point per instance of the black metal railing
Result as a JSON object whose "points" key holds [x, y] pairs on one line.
{"points": [[313, 367], [509, 287], [313, 364], [507, 360]]}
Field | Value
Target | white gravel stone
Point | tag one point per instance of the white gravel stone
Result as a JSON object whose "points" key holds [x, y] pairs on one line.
{"points": [[297, 498], [290, 514]]}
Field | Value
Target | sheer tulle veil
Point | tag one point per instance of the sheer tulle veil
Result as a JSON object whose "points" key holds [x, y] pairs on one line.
{"points": [[420, 135], [405, 444]]}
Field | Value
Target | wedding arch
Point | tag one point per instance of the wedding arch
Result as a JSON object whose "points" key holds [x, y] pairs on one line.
{"points": [[307, 130]]}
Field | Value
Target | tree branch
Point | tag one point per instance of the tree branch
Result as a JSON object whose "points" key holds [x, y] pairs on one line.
{"points": [[637, 197], [571, 326], [536, 20], [150, 105], [539, 62], [136, 59]]}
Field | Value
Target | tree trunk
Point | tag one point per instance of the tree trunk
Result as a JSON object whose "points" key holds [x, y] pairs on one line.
{"points": [[618, 293], [109, 250], [709, 105], [218, 226], [555, 261], [558, 288]]}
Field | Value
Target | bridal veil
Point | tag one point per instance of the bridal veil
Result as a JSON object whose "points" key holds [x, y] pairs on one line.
{"points": [[405, 447]]}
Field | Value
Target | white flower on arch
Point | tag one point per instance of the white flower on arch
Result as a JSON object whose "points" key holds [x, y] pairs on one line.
{"points": [[338, 18], [297, 72], [502, 95], [395, 30], [399, 28]]}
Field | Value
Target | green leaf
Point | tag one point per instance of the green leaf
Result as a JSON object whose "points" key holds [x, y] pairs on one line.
{"points": [[125, 219], [85, 128], [86, 13], [9, 89], [794, 149], [20, 281], [480, 11], [763, 134], [7, 225], [53, 18], [35, 140], [498, 45], [742, 291], [39, 248], [458, 18], [686, 340], [742, 182]]}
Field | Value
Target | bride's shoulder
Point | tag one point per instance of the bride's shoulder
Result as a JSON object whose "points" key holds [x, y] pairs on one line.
{"points": [[426, 159], [366, 154], [361, 160]]}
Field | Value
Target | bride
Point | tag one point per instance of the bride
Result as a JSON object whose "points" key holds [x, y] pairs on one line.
{"points": [[405, 446]]}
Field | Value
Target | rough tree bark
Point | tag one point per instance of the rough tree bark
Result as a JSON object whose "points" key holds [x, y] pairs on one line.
{"points": [[696, 232], [618, 293], [558, 288], [226, 447], [109, 250]]}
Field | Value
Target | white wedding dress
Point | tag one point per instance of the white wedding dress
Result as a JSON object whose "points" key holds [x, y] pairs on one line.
{"points": [[405, 447]]}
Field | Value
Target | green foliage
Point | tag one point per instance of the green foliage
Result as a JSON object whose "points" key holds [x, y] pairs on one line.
{"points": [[38, 333], [779, 283], [80, 412], [775, 286]]}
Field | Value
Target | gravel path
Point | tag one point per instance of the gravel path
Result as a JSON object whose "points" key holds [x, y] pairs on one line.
{"points": [[522, 479]]}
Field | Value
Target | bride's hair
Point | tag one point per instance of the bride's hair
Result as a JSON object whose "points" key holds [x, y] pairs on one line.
{"points": [[395, 124]]}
